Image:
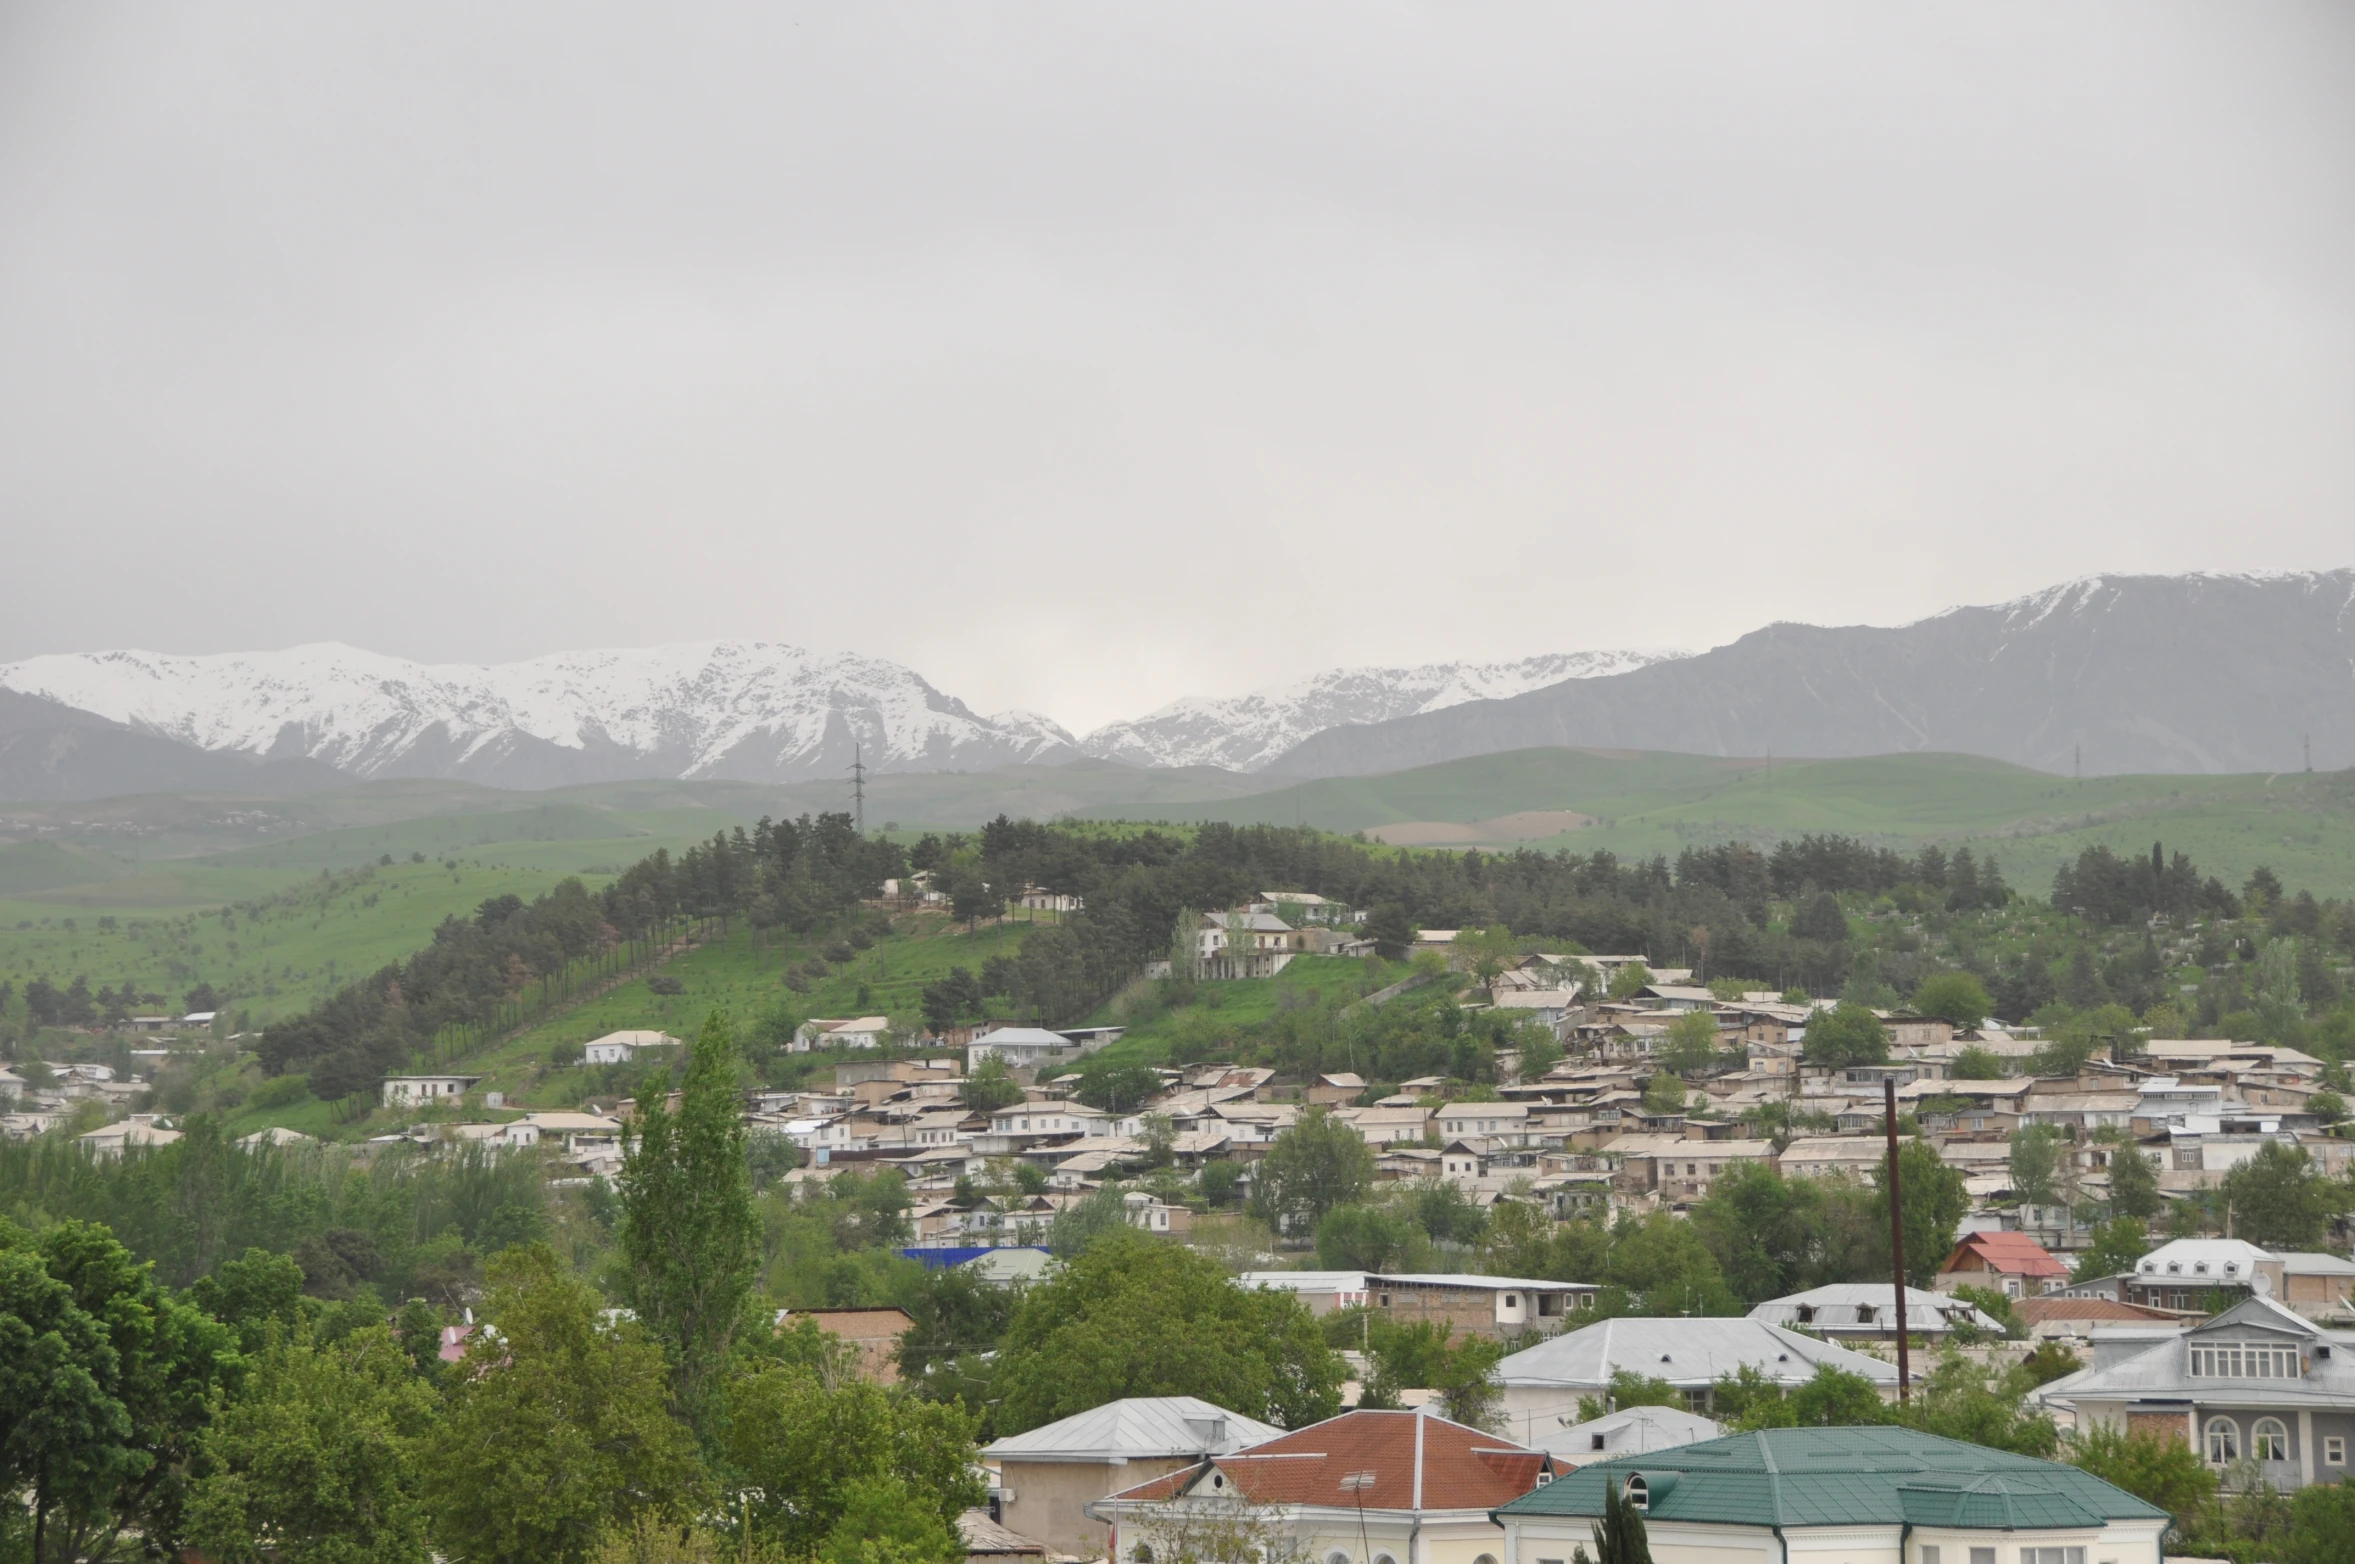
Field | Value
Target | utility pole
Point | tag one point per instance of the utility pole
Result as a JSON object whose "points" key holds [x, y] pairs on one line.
{"points": [[1896, 1237], [858, 786], [2077, 761], [2306, 738]]}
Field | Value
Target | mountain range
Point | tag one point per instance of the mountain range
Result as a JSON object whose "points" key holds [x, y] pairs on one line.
{"points": [[2204, 673]]}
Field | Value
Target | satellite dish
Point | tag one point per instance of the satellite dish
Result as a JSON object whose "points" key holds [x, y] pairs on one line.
{"points": [[2263, 1284]]}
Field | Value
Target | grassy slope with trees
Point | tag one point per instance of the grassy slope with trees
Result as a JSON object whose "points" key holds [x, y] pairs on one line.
{"points": [[2303, 825]]}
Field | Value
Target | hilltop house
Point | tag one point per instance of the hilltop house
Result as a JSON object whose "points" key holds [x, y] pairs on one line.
{"points": [[622, 1047]]}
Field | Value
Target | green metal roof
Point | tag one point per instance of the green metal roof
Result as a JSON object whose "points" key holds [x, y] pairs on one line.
{"points": [[1846, 1477]]}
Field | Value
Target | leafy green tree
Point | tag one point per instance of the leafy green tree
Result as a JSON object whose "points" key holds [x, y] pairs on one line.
{"points": [[2036, 1163], [314, 1461], [689, 1241], [1664, 1092], [1977, 1064], [1443, 1210], [1933, 1199], [1218, 1182], [884, 1522], [1849, 1034], [1392, 929], [2134, 1184], [1660, 1265], [807, 1455], [1835, 1398], [2322, 1525], [1538, 1052], [107, 1380], [1689, 1046], [2328, 1106], [557, 1427], [2116, 1245], [1135, 1317], [1629, 1389], [1995, 1306], [990, 1085], [1370, 1238], [1488, 952], [2278, 1200], [1766, 1231], [1958, 997], [1820, 918], [251, 1293], [1629, 981], [2158, 1468], [1074, 1229], [1317, 1164], [1117, 1088]]}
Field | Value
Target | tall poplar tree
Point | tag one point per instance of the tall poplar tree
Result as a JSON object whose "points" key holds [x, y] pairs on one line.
{"points": [[689, 1240]]}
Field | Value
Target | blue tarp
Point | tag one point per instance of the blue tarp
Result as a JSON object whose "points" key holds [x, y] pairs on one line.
{"points": [[940, 1257]]}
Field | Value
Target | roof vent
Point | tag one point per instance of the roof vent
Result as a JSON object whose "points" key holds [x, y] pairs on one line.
{"points": [[1663, 1357], [2175, 1268], [2199, 1267], [2231, 1266]]}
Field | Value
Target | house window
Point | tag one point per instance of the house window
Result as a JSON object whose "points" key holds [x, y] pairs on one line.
{"points": [[2224, 1441], [2334, 1451], [2052, 1556], [2244, 1360], [1982, 1556], [1929, 1555], [2269, 1440]]}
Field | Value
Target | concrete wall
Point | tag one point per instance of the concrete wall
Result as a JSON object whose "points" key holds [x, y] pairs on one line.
{"points": [[1050, 1498]]}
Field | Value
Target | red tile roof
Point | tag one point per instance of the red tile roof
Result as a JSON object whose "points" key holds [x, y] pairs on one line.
{"points": [[1450, 1466], [2015, 1254]]}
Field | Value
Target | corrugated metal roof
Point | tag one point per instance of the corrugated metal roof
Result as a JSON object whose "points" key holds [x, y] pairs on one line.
{"points": [[1845, 1477], [1136, 1426], [1684, 1352]]}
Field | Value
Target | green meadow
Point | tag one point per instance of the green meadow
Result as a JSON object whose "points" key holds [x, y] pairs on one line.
{"points": [[2302, 824]]}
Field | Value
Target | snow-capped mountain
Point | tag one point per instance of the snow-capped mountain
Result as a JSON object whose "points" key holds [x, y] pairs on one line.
{"points": [[2193, 673], [735, 710], [1248, 732]]}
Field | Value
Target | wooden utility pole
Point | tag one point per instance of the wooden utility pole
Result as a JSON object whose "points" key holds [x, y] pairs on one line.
{"points": [[1897, 1237]]}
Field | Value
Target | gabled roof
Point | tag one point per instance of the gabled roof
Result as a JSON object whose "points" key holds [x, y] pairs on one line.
{"points": [[1418, 1461], [1846, 1477], [1137, 1426], [2015, 1253], [1630, 1432], [1688, 1353]]}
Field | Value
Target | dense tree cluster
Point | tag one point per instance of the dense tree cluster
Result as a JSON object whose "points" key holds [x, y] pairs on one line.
{"points": [[2108, 889]]}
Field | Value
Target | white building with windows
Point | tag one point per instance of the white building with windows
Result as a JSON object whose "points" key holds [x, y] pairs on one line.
{"points": [[2258, 1383], [410, 1089]]}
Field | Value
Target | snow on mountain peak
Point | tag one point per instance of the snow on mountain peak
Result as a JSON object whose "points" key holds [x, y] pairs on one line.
{"points": [[751, 710], [732, 709], [1247, 732]]}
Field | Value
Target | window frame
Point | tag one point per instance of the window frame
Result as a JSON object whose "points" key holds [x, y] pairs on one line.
{"points": [[2220, 1441], [2270, 1434]]}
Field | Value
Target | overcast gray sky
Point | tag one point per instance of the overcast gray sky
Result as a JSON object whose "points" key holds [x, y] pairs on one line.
{"points": [[1081, 356]]}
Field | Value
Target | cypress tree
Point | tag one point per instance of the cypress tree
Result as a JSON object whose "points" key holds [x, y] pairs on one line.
{"points": [[1619, 1536], [689, 1239]]}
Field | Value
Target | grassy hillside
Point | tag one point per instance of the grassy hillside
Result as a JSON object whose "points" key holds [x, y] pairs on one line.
{"points": [[1645, 803], [742, 974]]}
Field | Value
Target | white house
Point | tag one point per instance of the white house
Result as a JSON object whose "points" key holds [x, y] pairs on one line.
{"points": [[622, 1047], [856, 1032], [400, 1089]]}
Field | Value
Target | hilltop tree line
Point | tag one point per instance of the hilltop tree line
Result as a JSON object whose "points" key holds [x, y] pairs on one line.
{"points": [[1732, 909], [798, 875]]}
